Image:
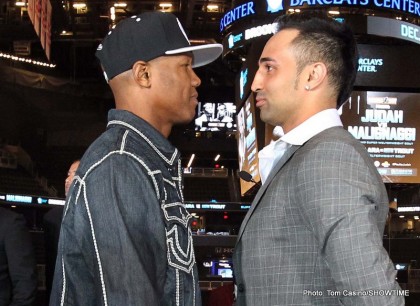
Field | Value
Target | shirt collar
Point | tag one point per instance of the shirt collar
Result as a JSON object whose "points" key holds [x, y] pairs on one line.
{"points": [[314, 125]]}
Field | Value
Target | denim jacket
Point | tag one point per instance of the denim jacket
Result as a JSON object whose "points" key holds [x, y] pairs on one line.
{"points": [[125, 237]]}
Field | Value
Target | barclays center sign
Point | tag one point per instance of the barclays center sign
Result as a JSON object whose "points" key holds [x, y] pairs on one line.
{"points": [[407, 6], [253, 8]]}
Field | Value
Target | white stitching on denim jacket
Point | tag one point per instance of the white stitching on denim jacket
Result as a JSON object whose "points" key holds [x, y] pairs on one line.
{"points": [[177, 287], [152, 174], [180, 193], [123, 142], [95, 245], [63, 292], [188, 265], [78, 179], [67, 205], [178, 246], [192, 274], [184, 220], [174, 155], [178, 187], [177, 258], [169, 182], [129, 154]]}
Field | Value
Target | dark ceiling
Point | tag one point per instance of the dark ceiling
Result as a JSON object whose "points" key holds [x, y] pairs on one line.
{"points": [[79, 26], [55, 125]]}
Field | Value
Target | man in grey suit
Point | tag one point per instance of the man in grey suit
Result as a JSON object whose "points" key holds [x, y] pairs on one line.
{"points": [[313, 235]]}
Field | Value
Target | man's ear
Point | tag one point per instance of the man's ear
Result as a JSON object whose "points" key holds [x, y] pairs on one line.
{"points": [[317, 73], [141, 74]]}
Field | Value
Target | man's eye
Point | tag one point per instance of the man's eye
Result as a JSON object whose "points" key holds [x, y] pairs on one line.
{"points": [[268, 67]]}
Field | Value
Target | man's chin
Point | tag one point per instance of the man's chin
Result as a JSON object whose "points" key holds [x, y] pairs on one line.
{"points": [[265, 117]]}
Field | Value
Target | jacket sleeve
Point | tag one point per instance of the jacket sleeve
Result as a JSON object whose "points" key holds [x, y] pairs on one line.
{"points": [[126, 231], [22, 262], [345, 206]]}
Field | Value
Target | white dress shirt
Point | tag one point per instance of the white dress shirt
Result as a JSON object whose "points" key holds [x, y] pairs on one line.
{"points": [[271, 154]]}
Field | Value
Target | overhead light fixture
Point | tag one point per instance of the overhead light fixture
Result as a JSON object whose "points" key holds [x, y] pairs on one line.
{"points": [[79, 5], [120, 4], [165, 5], [112, 13], [334, 12], [217, 157], [191, 160], [212, 8], [66, 33], [20, 3]]}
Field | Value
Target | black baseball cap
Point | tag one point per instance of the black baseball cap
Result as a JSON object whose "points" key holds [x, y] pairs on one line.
{"points": [[145, 37]]}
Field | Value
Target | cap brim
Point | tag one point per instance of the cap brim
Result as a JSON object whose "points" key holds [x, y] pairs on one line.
{"points": [[203, 54]]}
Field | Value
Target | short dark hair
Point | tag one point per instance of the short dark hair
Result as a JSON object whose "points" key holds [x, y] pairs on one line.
{"points": [[324, 39]]}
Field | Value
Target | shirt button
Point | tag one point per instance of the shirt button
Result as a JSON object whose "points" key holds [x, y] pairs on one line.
{"points": [[241, 288]]}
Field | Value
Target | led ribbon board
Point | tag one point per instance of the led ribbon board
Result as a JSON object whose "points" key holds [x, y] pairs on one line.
{"points": [[393, 28], [262, 7]]}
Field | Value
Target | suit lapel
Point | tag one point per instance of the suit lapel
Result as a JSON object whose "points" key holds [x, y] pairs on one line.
{"points": [[287, 155]]}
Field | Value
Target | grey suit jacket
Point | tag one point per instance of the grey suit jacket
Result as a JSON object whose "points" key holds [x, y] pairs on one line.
{"points": [[313, 235]]}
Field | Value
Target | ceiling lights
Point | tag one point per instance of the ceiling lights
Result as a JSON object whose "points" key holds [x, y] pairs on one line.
{"points": [[166, 7], [191, 160], [112, 13], [120, 4], [79, 5], [212, 8], [26, 60], [334, 12]]}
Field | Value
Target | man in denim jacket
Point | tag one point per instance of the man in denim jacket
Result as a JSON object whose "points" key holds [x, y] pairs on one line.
{"points": [[125, 237]]}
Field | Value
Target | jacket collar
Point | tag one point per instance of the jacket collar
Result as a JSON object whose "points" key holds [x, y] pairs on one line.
{"points": [[143, 129], [287, 155]]}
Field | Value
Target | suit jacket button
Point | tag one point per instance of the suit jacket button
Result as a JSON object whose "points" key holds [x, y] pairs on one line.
{"points": [[241, 287]]}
